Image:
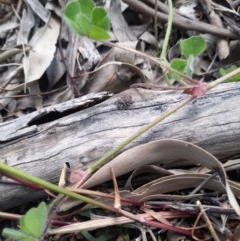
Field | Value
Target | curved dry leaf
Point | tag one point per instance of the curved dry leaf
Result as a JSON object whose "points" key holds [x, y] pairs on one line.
{"points": [[164, 152], [27, 24], [40, 57], [159, 196], [118, 71], [43, 49], [38, 8], [102, 76], [173, 183], [159, 189], [153, 170], [89, 52], [56, 69], [232, 165], [120, 28], [233, 57]]}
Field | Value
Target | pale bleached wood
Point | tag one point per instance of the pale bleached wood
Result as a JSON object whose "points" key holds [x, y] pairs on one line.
{"points": [[212, 122]]}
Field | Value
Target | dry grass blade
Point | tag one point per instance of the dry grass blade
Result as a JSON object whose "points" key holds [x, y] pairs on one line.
{"points": [[110, 221], [209, 225], [117, 201]]}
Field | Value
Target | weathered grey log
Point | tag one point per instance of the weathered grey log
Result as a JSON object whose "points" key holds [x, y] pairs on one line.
{"points": [[39, 145]]}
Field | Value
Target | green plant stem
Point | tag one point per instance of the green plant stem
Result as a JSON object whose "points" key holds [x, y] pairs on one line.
{"points": [[47, 185], [163, 56], [107, 157], [115, 150], [13, 171], [4, 168]]}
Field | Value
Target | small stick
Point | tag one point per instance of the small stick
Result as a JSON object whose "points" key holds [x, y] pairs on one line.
{"points": [[205, 217]]}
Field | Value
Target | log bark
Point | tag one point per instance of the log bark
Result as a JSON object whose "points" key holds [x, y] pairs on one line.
{"points": [[79, 133]]}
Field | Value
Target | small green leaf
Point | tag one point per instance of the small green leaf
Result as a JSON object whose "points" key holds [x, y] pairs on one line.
{"points": [[100, 18], [179, 65], [87, 20], [235, 78], [98, 33], [86, 7], [82, 28], [194, 45], [34, 221], [78, 20], [85, 25], [72, 9], [17, 235], [188, 70]]}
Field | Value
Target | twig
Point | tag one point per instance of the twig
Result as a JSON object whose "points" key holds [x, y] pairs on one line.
{"points": [[205, 217], [187, 207], [181, 22]]}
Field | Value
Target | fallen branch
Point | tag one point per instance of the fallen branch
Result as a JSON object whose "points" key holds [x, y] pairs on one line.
{"points": [[41, 142]]}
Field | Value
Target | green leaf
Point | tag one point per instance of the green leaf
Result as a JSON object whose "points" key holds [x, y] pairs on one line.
{"points": [[17, 235], [83, 24], [194, 45], [100, 18], [188, 70], [179, 65], [76, 18], [87, 20], [34, 221], [98, 33], [86, 7], [72, 9], [82, 28], [235, 78]]}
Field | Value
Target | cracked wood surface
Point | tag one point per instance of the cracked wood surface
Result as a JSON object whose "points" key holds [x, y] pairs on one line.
{"points": [[41, 142]]}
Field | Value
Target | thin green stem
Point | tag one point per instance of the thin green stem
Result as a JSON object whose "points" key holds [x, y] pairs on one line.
{"points": [[168, 32], [4, 168], [115, 150], [163, 56]]}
